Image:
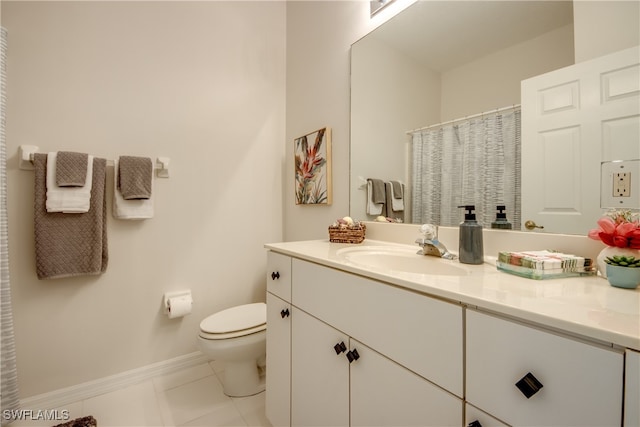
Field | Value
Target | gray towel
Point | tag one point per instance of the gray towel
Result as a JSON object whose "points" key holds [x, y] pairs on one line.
{"points": [[397, 190], [377, 190], [71, 169], [70, 245], [390, 212], [134, 177]]}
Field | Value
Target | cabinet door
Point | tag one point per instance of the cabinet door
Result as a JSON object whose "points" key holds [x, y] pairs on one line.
{"points": [[319, 375], [277, 398], [384, 393], [279, 275], [632, 389], [580, 384]]}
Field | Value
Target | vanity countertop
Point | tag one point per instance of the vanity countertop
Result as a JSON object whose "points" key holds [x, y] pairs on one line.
{"points": [[586, 306]]}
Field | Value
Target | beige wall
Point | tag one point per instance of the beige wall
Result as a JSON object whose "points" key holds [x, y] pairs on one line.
{"points": [[494, 81], [603, 27], [200, 82], [319, 37], [391, 93]]}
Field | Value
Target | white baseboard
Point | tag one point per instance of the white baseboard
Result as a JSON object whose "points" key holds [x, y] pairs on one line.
{"points": [[68, 395]]}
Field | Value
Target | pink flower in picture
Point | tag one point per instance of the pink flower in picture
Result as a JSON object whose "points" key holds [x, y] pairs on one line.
{"points": [[311, 168]]}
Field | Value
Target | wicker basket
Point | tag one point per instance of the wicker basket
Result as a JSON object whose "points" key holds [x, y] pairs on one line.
{"points": [[353, 234]]}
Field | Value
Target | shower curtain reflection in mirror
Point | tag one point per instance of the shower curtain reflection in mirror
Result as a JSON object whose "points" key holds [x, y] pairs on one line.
{"points": [[475, 161]]}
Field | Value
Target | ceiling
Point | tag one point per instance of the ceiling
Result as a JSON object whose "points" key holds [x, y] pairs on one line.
{"points": [[446, 34]]}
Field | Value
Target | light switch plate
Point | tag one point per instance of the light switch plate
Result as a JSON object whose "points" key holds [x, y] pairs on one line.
{"points": [[620, 184]]}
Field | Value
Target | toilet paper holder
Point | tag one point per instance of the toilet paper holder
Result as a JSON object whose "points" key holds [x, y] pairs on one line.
{"points": [[169, 295]]}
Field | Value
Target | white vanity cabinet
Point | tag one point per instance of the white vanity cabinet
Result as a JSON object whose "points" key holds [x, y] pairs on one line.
{"points": [[632, 389], [362, 353], [482, 350], [526, 376], [278, 394]]}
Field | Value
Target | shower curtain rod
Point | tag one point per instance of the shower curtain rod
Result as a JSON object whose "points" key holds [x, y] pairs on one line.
{"points": [[486, 113]]}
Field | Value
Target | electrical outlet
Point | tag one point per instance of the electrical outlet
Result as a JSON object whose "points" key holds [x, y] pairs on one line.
{"points": [[622, 184]]}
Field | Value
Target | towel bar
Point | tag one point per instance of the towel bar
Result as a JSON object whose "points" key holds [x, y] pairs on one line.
{"points": [[27, 152]]}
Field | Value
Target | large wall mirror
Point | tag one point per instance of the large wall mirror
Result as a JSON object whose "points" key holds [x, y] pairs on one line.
{"points": [[438, 61]]}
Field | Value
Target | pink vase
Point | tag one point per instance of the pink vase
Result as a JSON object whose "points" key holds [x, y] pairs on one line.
{"points": [[611, 251]]}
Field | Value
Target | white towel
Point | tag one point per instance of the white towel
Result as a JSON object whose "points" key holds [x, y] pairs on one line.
{"points": [[130, 209], [397, 200], [372, 208], [67, 199]]}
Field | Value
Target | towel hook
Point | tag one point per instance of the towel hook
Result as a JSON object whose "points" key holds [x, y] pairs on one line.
{"points": [[26, 155], [162, 166]]}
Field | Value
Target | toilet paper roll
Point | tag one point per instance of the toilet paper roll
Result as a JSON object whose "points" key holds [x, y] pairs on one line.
{"points": [[179, 306]]}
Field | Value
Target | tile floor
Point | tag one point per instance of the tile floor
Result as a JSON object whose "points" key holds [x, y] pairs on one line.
{"points": [[190, 397]]}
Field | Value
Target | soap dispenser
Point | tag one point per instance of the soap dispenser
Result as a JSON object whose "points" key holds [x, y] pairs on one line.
{"points": [[501, 219], [470, 248]]}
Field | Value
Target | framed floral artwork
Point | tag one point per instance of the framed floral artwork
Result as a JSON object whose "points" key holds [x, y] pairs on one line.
{"points": [[313, 168]]}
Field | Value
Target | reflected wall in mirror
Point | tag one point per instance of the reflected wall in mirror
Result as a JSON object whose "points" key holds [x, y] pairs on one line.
{"points": [[376, 6], [442, 60]]}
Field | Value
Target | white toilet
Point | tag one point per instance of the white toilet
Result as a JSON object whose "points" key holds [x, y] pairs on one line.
{"points": [[237, 336]]}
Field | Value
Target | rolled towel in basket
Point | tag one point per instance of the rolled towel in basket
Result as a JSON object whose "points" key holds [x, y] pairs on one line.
{"points": [[134, 177]]}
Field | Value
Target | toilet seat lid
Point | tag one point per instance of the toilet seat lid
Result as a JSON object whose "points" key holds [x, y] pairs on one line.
{"points": [[247, 316]]}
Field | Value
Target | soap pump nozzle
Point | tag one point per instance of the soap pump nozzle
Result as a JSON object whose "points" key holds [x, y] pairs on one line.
{"points": [[469, 214], [501, 219]]}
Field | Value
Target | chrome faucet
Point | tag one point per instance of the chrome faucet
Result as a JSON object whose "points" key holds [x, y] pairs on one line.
{"points": [[431, 245]]}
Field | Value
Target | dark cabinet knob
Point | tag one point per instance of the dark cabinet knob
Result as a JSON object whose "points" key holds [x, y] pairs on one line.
{"points": [[529, 385], [474, 423], [340, 347], [275, 275], [284, 313], [353, 355]]}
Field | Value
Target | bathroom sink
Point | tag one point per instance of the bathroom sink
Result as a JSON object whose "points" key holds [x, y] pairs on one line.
{"points": [[400, 259]]}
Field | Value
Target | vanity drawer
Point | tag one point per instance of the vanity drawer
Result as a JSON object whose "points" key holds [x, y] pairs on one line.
{"points": [[421, 333], [581, 383], [279, 275]]}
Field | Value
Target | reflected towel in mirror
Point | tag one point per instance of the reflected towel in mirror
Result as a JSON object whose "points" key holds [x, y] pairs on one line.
{"points": [[376, 196]]}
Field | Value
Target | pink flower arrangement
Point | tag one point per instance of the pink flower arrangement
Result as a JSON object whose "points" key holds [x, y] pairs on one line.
{"points": [[619, 228]]}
